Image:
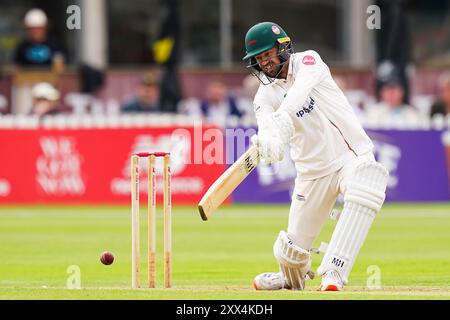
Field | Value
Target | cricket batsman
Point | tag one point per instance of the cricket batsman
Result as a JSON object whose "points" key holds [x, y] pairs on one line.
{"points": [[298, 103]]}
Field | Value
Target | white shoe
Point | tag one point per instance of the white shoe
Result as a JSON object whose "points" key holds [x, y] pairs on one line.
{"points": [[331, 281], [269, 281]]}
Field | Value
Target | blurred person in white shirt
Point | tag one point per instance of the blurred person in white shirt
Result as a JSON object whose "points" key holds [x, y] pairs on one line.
{"points": [[390, 111], [45, 100]]}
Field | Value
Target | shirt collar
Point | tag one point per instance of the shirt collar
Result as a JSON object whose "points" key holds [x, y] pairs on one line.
{"points": [[290, 68]]}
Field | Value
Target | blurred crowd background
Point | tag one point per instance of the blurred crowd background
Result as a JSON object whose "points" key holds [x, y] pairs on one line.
{"points": [[82, 79], [106, 58]]}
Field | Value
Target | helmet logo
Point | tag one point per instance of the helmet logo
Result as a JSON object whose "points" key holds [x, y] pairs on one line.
{"points": [[251, 42], [275, 30], [309, 60]]}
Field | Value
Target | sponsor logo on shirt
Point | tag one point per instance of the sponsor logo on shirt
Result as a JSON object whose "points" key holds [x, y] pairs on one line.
{"points": [[307, 109]]}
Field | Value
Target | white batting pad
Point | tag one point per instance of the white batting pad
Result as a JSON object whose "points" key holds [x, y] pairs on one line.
{"points": [[367, 186], [363, 199], [294, 261]]}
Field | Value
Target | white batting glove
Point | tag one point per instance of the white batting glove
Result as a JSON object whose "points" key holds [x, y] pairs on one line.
{"points": [[271, 149], [275, 131]]}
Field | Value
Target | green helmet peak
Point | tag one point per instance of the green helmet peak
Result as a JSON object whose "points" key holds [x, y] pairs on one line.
{"points": [[262, 37]]}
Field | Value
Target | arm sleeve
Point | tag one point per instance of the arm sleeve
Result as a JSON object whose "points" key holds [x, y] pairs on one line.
{"points": [[310, 71], [262, 107], [274, 124]]}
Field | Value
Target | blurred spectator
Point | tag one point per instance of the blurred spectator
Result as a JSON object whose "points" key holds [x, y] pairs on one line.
{"points": [[37, 49], [442, 105], [391, 111], [45, 100], [250, 86], [393, 45], [219, 105], [92, 79], [147, 98]]}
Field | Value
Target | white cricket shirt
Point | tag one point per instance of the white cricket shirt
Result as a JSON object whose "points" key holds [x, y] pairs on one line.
{"points": [[327, 131]]}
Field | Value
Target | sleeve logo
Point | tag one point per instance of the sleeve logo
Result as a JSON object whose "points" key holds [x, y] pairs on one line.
{"points": [[309, 60]]}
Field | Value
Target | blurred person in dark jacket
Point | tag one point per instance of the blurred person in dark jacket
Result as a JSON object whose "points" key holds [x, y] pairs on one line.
{"points": [[442, 104], [219, 105], [147, 98], [36, 49]]}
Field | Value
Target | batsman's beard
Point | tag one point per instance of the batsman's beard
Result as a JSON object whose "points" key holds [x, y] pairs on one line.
{"points": [[273, 71], [269, 70]]}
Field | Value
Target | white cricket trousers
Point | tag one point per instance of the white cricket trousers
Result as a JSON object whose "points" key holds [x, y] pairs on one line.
{"points": [[313, 200]]}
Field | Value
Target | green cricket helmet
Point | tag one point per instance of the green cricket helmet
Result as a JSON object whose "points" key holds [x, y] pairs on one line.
{"points": [[262, 37]]}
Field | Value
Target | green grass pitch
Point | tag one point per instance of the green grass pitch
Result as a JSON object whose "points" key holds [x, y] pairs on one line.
{"points": [[217, 259]]}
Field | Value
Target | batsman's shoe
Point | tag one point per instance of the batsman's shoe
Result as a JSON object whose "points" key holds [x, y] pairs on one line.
{"points": [[331, 281], [269, 281]]}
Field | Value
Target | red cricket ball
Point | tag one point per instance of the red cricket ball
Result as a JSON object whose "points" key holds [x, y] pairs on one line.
{"points": [[107, 258]]}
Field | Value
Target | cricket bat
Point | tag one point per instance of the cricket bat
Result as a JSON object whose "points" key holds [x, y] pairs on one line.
{"points": [[227, 182]]}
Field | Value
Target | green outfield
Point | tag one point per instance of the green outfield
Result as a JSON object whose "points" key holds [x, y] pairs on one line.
{"points": [[408, 244]]}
